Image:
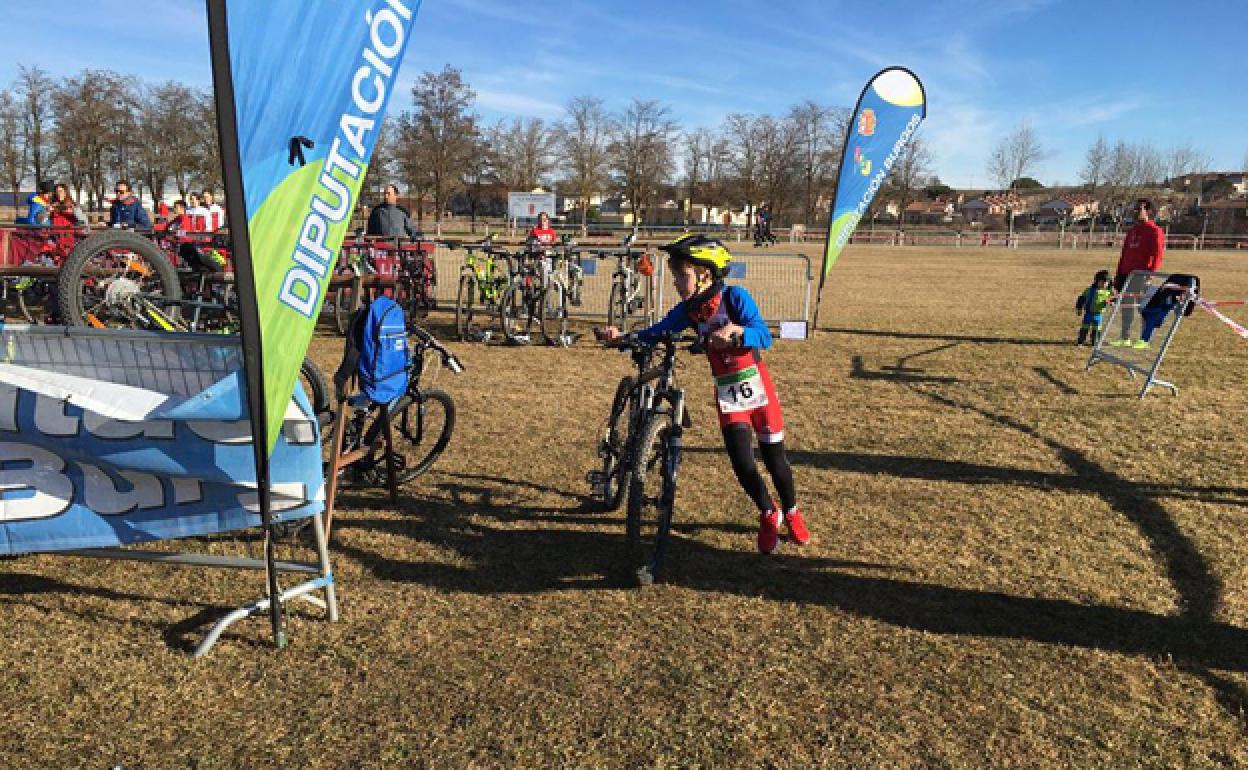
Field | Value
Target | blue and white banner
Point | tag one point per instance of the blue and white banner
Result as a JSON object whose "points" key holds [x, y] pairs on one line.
{"points": [[113, 437]]}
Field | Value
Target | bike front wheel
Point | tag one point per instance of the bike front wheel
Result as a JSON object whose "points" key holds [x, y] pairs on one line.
{"points": [[420, 427], [554, 311], [615, 474], [651, 491], [518, 314]]}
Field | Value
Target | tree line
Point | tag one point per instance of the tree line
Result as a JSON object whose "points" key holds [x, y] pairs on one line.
{"points": [[91, 129], [95, 127], [1113, 174]]}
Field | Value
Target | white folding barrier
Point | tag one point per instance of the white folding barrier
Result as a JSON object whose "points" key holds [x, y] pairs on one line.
{"points": [[1143, 319]]}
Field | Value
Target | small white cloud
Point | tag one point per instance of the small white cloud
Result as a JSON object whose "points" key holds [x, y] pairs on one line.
{"points": [[517, 104]]}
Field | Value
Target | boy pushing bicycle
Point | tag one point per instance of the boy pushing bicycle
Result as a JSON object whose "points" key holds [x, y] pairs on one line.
{"points": [[746, 399]]}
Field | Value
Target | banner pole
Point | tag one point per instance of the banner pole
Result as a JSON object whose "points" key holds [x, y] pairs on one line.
{"points": [[245, 284]]}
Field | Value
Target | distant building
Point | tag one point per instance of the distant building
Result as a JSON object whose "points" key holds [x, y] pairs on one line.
{"points": [[1069, 208]]}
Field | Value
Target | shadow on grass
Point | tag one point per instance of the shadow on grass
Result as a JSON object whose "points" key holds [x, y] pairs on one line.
{"points": [[906, 335], [1065, 388]]}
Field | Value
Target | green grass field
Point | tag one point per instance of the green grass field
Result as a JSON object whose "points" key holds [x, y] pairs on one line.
{"points": [[1016, 564]]}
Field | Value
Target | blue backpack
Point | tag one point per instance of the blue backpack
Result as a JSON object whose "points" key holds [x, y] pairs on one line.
{"points": [[377, 351]]}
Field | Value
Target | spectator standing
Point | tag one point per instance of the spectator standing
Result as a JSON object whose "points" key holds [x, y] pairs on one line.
{"points": [[197, 214], [215, 215], [1142, 249], [389, 218], [542, 232], [127, 210]]}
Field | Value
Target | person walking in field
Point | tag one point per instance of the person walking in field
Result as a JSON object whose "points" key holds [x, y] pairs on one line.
{"points": [[745, 396], [1142, 249]]}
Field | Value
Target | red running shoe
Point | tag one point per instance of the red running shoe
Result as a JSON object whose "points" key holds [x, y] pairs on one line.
{"points": [[797, 527], [768, 531]]}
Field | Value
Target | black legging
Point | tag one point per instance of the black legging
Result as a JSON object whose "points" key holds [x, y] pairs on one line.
{"points": [[739, 440]]}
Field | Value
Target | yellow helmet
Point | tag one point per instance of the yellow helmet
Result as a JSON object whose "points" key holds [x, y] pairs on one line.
{"points": [[700, 249]]}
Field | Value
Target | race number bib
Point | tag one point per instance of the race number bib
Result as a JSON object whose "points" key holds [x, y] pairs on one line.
{"points": [[741, 391]]}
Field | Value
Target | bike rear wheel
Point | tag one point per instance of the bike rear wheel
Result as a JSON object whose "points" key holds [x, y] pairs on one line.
{"points": [[465, 306], [650, 492], [108, 275]]}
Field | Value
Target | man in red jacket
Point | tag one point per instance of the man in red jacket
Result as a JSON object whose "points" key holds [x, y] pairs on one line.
{"points": [[1142, 249]]}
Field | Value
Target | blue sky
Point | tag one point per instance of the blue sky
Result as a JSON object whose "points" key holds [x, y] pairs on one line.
{"points": [[1165, 73]]}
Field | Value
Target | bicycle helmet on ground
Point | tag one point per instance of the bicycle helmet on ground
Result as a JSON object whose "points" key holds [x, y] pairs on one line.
{"points": [[700, 249]]}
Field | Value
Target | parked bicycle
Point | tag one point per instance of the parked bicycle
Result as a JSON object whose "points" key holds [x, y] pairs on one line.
{"points": [[417, 279], [641, 447], [482, 282], [421, 422], [629, 305], [531, 302]]}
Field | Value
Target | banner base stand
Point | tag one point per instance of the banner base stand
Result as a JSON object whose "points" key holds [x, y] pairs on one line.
{"points": [[324, 579]]}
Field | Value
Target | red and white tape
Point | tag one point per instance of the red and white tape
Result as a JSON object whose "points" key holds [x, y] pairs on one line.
{"points": [[1211, 307]]}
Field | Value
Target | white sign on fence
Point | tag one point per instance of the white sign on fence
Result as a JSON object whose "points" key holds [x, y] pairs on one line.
{"points": [[529, 205]]}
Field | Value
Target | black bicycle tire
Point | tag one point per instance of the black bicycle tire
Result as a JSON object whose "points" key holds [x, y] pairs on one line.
{"points": [[514, 305], [561, 322], [342, 308], [464, 301], [400, 431], [643, 545], [317, 391], [615, 305], [68, 282], [615, 467], [24, 309]]}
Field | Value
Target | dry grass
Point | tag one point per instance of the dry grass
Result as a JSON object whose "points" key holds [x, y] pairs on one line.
{"points": [[1016, 565]]}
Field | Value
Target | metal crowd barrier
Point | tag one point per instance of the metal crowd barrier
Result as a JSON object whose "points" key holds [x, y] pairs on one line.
{"points": [[782, 285]]}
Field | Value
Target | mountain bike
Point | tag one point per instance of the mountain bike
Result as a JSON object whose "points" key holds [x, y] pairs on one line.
{"points": [[417, 278], [482, 281], [523, 304], [641, 449], [629, 303], [421, 422], [106, 273]]}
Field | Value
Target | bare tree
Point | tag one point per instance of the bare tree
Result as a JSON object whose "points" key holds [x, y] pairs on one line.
{"points": [[439, 137], [1131, 169], [523, 153], [641, 153], [479, 179], [162, 153], [820, 134], [910, 174], [584, 138], [383, 165], [1095, 165], [34, 92], [94, 133], [1015, 156], [745, 137], [13, 147], [778, 163]]}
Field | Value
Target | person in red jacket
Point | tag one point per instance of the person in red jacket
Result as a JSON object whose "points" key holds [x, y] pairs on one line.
{"points": [[543, 233], [1142, 249]]}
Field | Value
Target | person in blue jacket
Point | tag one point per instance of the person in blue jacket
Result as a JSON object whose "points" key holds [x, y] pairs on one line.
{"points": [[127, 210], [745, 395], [38, 207]]}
